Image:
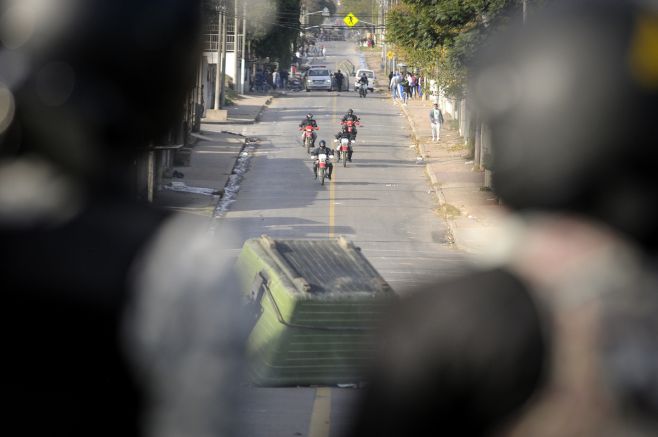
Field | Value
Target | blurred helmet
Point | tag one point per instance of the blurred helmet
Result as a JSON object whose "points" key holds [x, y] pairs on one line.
{"points": [[350, 112], [309, 116], [323, 143]]}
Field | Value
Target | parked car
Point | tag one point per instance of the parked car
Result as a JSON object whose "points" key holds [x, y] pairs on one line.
{"points": [[371, 79]]}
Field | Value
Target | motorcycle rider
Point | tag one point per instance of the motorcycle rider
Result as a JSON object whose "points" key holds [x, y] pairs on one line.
{"points": [[322, 149], [350, 116], [309, 121], [363, 80], [344, 134]]}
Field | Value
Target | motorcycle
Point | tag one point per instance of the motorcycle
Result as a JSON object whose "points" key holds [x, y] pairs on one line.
{"points": [[363, 90], [322, 164], [343, 150], [348, 126], [295, 83], [307, 137]]}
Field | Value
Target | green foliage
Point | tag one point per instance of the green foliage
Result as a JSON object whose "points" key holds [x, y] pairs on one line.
{"points": [[277, 42], [441, 36], [363, 9]]}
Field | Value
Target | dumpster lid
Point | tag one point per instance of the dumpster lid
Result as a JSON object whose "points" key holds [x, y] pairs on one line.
{"points": [[328, 266]]}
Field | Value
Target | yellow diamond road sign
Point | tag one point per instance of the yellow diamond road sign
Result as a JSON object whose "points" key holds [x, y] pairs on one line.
{"points": [[350, 19]]}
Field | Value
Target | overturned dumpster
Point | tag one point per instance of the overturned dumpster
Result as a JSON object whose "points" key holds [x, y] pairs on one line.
{"points": [[316, 306]]}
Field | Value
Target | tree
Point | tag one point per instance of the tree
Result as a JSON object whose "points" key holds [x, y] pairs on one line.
{"points": [[363, 9], [278, 31], [443, 35]]}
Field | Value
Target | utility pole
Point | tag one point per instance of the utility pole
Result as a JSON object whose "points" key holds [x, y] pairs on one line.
{"points": [[218, 72], [237, 79], [223, 60], [525, 10], [244, 41]]}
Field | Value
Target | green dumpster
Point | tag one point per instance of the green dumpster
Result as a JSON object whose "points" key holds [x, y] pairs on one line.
{"points": [[316, 306]]}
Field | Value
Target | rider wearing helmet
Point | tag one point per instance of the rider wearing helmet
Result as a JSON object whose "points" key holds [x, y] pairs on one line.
{"points": [[344, 134], [322, 148], [308, 121], [350, 116], [363, 80]]}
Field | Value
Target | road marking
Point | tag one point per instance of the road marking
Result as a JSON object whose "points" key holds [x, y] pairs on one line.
{"points": [[320, 416], [332, 185]]}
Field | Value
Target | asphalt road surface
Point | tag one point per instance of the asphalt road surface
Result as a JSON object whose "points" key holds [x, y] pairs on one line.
{"points": [[382, 201]]}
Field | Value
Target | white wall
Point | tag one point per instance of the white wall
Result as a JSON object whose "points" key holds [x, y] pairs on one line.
{"points": [[230, 61]]}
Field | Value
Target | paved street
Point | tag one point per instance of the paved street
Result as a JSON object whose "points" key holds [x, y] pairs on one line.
{"points": [[382, 201]]}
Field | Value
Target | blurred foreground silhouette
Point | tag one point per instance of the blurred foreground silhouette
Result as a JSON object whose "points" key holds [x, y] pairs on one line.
{"points": [[113, 322], [559, 336]]}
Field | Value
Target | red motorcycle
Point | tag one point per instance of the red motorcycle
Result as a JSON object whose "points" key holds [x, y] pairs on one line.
{"points": [[343, 150], [349, 125], [322, 164], [307, 137]]}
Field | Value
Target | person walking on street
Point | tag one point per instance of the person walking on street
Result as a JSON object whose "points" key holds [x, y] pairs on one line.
{"points": [[276, 79], [404, 90], [339, 80], [412, 85], [436, 120], [269, 78], [284, 79], [395, 81]]}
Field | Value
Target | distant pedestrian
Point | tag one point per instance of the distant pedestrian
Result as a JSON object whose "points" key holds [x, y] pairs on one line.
{"points": [[436, 121], [395, 82], [284, 79], [412, 86], [324, 52], [405, 90], [276, 79], [339, 80]]}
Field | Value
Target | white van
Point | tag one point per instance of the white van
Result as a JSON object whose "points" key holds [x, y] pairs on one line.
{"points": [[371, 79]]}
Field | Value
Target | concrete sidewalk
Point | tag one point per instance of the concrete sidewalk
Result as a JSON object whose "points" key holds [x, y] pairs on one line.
{"points": [[202, 169], [473, 214], [245, 110]]}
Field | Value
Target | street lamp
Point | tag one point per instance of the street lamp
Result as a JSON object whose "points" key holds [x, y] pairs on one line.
{"points": [[324, 12]]}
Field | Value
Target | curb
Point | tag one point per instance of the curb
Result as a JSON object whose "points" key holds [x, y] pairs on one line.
{"points": [[246, 141], [262, 109]]}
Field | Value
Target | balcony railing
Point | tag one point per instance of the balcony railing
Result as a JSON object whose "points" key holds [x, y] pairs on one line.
{"points": [[211, 38]]}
